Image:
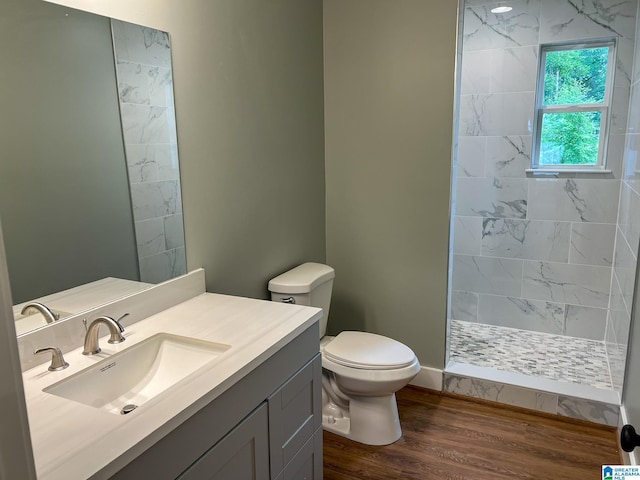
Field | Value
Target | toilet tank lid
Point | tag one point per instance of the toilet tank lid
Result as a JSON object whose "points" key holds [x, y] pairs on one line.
{"points": [[302, 279]]}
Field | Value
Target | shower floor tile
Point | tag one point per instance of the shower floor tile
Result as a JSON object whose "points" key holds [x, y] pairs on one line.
{"points": [[566, 359]]}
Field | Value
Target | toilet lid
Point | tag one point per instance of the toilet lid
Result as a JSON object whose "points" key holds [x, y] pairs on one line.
{"points": [[368, 351]]}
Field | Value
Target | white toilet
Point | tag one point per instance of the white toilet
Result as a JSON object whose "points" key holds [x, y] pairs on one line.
{"points": [[360, 371]]}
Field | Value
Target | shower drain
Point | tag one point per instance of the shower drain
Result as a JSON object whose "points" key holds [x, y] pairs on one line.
{"points": [[128, 408]]}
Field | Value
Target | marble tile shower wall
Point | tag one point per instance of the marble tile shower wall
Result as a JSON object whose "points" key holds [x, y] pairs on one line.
{"points": [[533, 252], [628, 237], [145, 88]]}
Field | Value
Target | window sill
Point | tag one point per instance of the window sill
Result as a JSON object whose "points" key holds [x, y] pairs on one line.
{"points": [[560, 171]]}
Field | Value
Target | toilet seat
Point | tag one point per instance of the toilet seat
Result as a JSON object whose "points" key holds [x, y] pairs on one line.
{"points": [[368, 351]]}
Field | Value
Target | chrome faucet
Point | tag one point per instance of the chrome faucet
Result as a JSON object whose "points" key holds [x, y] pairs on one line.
{"points": [[91, 346], [46, 312]]}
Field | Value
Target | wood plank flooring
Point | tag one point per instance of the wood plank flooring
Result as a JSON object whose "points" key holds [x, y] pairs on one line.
{"points": [[450, 437]]}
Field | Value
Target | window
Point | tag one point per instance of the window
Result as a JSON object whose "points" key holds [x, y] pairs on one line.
{"points": [[575, 84]]}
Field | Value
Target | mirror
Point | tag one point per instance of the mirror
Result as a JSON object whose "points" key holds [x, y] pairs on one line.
{"points": [[89, 176]]}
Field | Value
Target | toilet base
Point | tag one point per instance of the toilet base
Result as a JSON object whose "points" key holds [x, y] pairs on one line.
{"points": [[368, 420]]}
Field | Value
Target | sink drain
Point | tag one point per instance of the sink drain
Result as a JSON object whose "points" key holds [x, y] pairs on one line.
{"points": [[128, 409]]}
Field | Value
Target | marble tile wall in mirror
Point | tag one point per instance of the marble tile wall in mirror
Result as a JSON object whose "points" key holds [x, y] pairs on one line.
{"points": [[145, 90]]}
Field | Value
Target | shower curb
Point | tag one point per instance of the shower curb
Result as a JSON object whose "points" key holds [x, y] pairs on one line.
{"points": [[548, 396]]}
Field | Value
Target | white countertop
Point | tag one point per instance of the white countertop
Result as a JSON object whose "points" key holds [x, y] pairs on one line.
{"points": [[72, 440]]}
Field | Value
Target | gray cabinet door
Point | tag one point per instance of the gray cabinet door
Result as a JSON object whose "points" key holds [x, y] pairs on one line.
{"points": [[295, 413], [243, 454]]}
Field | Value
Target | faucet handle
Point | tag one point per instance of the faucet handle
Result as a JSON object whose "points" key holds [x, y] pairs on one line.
{"points": [[119, 319], [57, 360], [117, 337]]}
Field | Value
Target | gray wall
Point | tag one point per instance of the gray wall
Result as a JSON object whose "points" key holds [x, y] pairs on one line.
{"points": [[64, 197], [389, 79], [249, 103]]}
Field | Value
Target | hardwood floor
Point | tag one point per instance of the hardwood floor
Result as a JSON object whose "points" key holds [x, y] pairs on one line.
{"points": [[451, 437]]}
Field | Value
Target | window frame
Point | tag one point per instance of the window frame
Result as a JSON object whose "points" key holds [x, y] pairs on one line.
{"points": [[604, 107]]}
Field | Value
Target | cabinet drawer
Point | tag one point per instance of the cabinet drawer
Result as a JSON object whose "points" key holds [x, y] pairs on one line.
{"points": [[307, 464], [295, 414], [243, 454]]}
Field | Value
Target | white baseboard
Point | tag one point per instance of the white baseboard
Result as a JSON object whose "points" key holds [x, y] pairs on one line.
{"points": [[629, 458], [428, 378]]}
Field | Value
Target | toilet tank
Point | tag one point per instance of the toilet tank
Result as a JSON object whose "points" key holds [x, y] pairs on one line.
{"points": [[307, 284]]}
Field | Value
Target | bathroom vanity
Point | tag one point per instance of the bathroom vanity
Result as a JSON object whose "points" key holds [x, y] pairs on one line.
{"points": [[253, 411], [267, 426]]}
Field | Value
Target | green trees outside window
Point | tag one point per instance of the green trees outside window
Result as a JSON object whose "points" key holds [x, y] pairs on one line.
{"points": [[574, 105]]}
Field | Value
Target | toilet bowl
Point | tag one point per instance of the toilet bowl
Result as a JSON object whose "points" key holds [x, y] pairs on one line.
{"points": [[360, 371]]}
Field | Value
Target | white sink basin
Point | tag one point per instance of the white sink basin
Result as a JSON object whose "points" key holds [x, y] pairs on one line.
{"points": [[143, 371]]}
